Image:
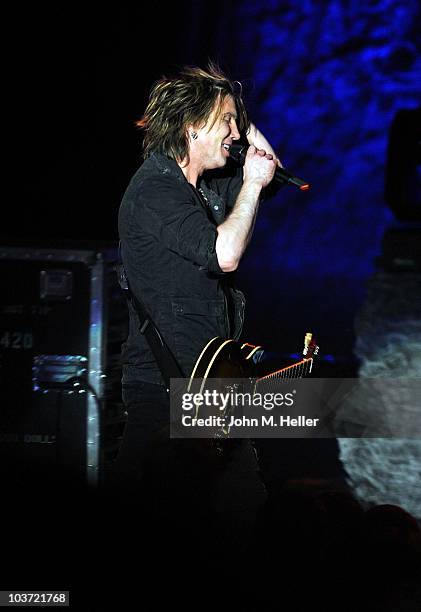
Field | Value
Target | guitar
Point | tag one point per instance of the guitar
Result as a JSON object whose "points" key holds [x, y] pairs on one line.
{"points": [[224, 358]]}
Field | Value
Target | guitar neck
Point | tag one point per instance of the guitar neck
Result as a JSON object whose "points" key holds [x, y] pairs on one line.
{"points": [[296, 370]]}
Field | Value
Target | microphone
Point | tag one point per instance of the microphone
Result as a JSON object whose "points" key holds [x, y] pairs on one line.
{"points": [[238, 153]]}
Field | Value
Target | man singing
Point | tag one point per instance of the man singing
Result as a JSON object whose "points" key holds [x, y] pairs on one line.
{"points": [[184, 224]]}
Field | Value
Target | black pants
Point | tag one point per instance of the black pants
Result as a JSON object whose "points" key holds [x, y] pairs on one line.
{"points": [[184, 477], [147, 408]]}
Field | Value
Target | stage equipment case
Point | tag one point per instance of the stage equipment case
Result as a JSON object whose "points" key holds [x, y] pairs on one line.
{"points": [[62, 320]]}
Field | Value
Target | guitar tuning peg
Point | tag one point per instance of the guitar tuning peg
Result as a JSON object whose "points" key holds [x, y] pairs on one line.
{"points": [[307, 340]]}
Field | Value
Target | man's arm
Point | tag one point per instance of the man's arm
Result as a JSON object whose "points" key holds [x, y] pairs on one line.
{"points": [[235, 232]]}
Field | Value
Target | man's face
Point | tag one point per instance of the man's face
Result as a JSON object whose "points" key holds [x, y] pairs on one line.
{"points": [[211, 147]]}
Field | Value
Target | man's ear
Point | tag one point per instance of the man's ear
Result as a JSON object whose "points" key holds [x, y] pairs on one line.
{"points": [[191, 132]]}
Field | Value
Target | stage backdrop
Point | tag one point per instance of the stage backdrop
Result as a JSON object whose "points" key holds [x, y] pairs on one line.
{"points": [[323, 81]]}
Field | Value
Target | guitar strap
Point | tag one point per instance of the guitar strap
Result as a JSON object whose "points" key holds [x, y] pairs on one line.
{"points": [[164, 358]]}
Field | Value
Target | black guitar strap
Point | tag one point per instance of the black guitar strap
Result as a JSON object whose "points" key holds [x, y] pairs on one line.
{"points": [[164, 358]]}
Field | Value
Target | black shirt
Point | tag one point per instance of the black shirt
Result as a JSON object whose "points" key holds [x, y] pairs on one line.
{"points": [[168, 233]]}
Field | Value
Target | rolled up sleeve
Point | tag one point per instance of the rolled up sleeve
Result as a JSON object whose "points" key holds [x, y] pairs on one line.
{"points": [[171, 214]]}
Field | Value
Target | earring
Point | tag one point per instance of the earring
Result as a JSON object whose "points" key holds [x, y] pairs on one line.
{"points": [[194, 135]]}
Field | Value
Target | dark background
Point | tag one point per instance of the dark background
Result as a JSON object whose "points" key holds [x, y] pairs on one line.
{"points": [[323, 82]]}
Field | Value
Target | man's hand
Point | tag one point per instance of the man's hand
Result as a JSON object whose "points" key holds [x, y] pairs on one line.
{"points": [[259, 167]]}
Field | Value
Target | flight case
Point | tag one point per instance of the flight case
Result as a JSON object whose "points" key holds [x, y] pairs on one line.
{"points": [[62, 320]]}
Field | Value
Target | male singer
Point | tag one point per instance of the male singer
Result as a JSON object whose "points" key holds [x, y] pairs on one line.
{"points": [[184, 224]]}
